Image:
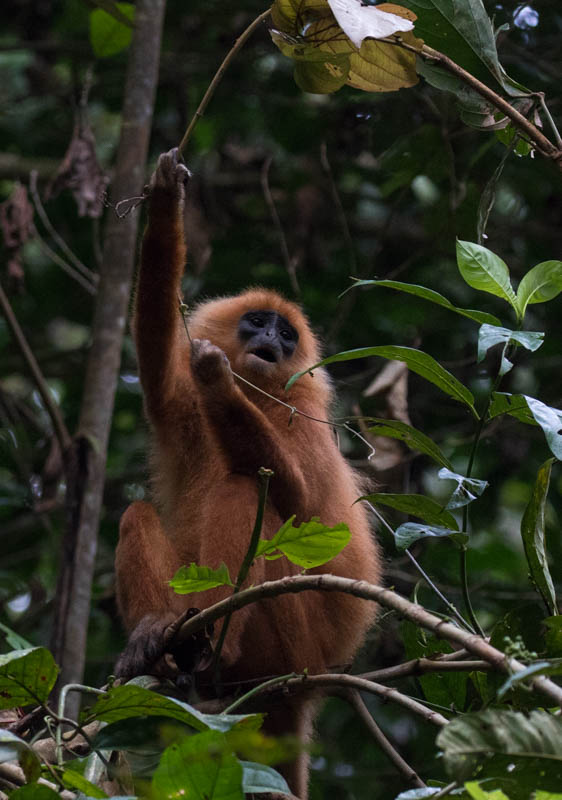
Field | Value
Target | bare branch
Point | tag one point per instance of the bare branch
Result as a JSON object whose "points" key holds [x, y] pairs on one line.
{"points": [[386, 597], [355, 700]]}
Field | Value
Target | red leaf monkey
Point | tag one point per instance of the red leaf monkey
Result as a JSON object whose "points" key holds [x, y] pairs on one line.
{"points": [[211, 434]]}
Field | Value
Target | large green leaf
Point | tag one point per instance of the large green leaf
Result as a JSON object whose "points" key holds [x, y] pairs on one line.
{"points": [[433, 297], [309, 545], [26, 676], [485, 271], [539, 285], [75, 780], [418, 361], [462, 30], [532, 533], [199, 767], [122, 702], [417, 505], [412, 438], [524, 749], [198, 579]]}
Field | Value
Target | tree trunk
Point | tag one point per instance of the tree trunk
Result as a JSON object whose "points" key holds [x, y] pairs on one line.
{"points": [[87, 458]]}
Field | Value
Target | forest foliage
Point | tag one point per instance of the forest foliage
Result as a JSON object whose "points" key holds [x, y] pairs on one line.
{"points": [[396, 169]]}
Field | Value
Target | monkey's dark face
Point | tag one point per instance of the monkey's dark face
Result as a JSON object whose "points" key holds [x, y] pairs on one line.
{"points": [[268, 339]]}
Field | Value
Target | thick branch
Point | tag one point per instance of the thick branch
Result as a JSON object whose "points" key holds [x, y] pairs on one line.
{"points": [[85, 493], [387, 598]]}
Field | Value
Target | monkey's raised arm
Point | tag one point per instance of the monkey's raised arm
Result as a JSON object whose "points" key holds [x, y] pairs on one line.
{"points": [[161, 268], [247, 437]]}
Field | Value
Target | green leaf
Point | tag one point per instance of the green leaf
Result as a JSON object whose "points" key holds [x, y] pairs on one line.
{"points": [[412, 438], [485, 271], [490, 335], [12, 747], [477, 792], [513, 404], [417, 361], [467, 490], [432, 297], [257, 778], [109, 35], [526, 748], [410, 532], [74, 780], [309, 545], [198, 579], [35, 791], [199, 767], [26, 676], [122, 702], [539, 285], [417, 505], [532, 533], [550, 421]]}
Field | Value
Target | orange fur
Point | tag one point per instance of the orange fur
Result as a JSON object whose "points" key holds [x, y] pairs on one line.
{"points": [[209, 439]]}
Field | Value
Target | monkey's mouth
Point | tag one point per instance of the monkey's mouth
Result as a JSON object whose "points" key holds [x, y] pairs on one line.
{"points": [[265, 354]]}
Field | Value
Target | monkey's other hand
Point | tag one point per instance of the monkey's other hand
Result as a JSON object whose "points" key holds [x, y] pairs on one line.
{"points": [[145, 646], [209, 364], [170, 175]]}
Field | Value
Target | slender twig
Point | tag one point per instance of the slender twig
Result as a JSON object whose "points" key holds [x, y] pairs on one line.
{"points": [[86, 271], [548, 115], [68, 268], [327, 167], [61, 432], [72, 687], [356, 702], [238, 44], [289, 262], [443, 629], [423, 573], [540, 141], [356, 683], [278, 679], [264, 476]]}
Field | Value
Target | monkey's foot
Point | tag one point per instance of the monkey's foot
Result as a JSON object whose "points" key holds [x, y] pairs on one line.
{"points": [[145, 647]]}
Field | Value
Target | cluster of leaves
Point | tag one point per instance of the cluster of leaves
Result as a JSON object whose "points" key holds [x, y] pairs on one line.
{"points": [[183, 750]]}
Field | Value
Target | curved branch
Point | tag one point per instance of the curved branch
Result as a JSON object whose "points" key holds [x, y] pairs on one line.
{"points": [[543, 145], [182, 629], [356, 702]]}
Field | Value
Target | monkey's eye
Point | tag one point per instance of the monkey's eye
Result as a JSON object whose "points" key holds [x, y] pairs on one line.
{"points": [[287, 335], [257, 322]]}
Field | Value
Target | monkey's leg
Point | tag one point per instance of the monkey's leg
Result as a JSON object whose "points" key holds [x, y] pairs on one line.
{"points": [[145, 562]]}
